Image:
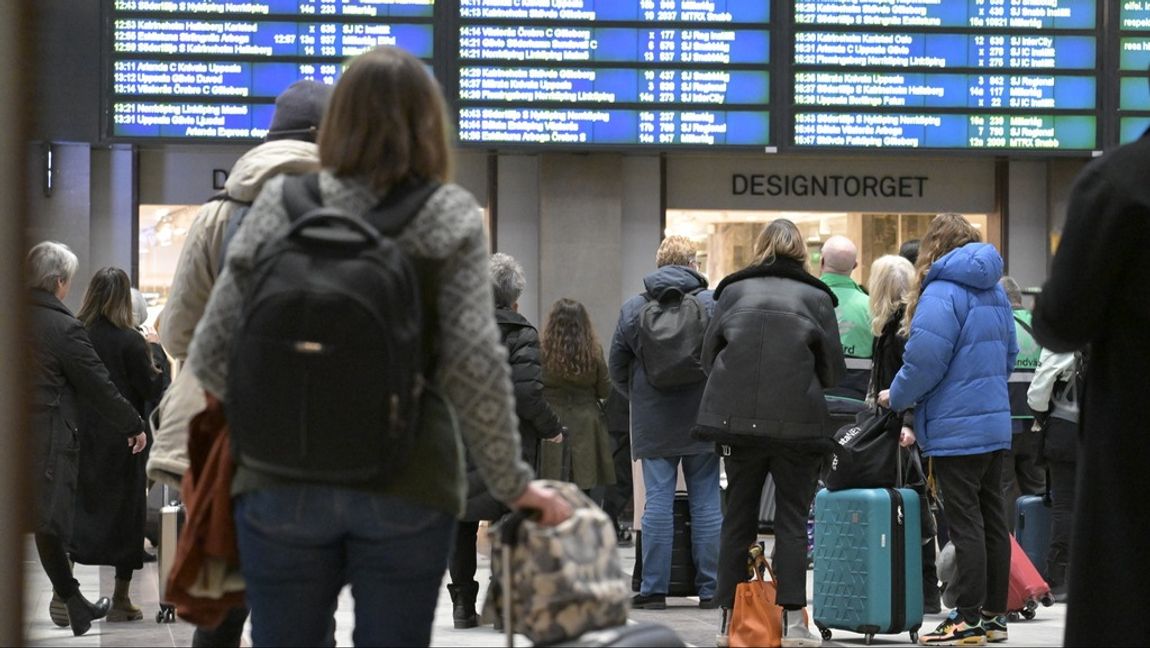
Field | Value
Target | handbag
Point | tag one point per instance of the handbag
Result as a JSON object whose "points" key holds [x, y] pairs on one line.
{"points": [[865, 453], [756, 620], [556, 583]]}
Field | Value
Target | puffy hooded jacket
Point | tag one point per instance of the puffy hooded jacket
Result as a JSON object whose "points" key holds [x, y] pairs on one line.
{"points": [[961, 349]]}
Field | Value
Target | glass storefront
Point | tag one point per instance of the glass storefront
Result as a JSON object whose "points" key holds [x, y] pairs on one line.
{"points": [[726, 238], [163, 230]]}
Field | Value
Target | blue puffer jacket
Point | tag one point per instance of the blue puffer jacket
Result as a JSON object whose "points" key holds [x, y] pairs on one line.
{"points": [[961, 350]]}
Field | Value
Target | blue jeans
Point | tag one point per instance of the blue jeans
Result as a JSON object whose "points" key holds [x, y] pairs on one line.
{"points": [[701, 473], [299, 545]]}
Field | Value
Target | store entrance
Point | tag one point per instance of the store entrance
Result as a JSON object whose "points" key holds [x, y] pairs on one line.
{"points": [[726, 237]]}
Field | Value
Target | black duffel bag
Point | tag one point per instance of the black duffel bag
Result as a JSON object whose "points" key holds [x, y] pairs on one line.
{"points": [[866, 452]]}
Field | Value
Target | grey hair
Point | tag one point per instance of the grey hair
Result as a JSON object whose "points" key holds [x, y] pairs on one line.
{"points": [[507, 279], [47, 263], [139, 308], [1013, 291]]}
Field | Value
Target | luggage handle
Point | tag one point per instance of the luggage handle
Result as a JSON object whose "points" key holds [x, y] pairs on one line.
{"points": [[509, 537]]}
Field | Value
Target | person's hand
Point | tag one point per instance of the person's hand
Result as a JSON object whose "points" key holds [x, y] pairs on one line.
{"points": [[138, 443], [150, 334], [906, 438], [558, 438], [884, 398], [553, 510]]}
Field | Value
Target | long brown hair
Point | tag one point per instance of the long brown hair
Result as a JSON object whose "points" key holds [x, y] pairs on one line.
{"points": [[780, 238], [947, 232], [109, 294], [387, 122], [569, 346]]}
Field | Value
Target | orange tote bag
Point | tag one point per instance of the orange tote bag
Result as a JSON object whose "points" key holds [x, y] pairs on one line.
{"points": [[756, 620]]}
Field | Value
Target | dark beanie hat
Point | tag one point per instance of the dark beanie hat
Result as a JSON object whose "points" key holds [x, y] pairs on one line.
{"points": [[299, 109]]}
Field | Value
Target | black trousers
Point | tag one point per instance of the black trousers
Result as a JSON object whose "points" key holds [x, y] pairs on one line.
{"points": [[618, 496], [227, 634], [1063, 488], [1021, 472], [55, 561], [975, 503], [463, 561], [796, 474]]}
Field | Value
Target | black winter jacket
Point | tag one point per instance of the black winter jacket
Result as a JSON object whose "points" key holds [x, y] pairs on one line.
{"points": [[536, 418], [771, 349], [67, 371], [887, 360]]}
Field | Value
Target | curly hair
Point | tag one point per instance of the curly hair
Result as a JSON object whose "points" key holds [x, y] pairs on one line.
{"points": [[676, 250], [569, 346], [946, 232]]}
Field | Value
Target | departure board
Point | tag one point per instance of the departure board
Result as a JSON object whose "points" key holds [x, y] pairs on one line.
{"points": [[1133, 69], [211, 69], [954, 74], [617, 73]]}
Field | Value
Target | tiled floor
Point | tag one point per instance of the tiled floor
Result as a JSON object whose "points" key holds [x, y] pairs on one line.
{"points": [[697, 627]]}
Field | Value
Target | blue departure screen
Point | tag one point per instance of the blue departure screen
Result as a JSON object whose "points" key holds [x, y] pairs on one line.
{"points": [[210, 69], [966, 74], [585, 73], [1133, 69]]}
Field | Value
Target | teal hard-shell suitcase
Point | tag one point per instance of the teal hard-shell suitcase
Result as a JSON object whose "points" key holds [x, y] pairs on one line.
{"points": [[868, 562]]}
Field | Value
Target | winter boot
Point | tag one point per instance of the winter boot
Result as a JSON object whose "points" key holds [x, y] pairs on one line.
{"points": [[122, 608], [463, 604], [81, 611]]}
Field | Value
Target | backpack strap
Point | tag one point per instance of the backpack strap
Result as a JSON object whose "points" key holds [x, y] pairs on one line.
{"points": [[1025, 326], [235, 219], [401, 204], [301, 195]]}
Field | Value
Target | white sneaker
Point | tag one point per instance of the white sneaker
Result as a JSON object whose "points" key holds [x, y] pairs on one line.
{"points": [[796, 633]]}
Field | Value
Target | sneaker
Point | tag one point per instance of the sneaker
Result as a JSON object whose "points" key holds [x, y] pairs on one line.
{"points": [[995, 627], [649, 602], [955, 631], [796, 633]]}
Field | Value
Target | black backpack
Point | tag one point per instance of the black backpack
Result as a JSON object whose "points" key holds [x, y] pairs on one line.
{"points": [[328, 365], [671, 331]]}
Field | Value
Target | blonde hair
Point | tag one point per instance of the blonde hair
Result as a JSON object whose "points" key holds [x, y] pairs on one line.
{"points": [[676, 250], [569, 346], [890, 279], [109, 295], [947, 232], [780, 238]]}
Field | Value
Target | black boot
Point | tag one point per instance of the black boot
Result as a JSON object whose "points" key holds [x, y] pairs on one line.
{"points": [[1056, 577], [81, 612], [463, 604]]}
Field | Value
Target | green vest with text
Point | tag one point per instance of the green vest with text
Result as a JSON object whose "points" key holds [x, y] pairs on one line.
{"points": [[853, 315]]}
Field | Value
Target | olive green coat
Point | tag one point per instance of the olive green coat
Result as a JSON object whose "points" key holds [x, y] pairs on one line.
{"points": [[576, 401]]}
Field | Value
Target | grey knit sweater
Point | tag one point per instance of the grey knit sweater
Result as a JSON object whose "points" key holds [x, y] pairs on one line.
{"points": [[472, 372]]}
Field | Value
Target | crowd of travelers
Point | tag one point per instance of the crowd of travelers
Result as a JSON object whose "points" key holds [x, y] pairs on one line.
{"points": [[996, 401]]}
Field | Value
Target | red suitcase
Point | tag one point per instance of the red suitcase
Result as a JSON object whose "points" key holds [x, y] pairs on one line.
{"points": [[1027, 587]]}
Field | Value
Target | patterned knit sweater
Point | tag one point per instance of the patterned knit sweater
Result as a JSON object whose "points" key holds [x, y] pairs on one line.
{"points": [[472, 372]]}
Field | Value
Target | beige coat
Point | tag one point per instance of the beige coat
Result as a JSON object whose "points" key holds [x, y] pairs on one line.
{"points": [[192, 284]]}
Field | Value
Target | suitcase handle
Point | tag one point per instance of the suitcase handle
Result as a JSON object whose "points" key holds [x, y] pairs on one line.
{"points": [[509, 536]]}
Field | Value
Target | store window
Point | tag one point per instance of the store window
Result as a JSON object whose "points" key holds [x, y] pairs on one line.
{"points": [[163, 230], [726, 238]]}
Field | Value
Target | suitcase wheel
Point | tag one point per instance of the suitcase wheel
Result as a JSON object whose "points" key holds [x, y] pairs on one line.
{"points": [[1028, 613], [868, 638], [167, 614], [914, 636], [1012, 617], [826, 633], [1047, 599]]}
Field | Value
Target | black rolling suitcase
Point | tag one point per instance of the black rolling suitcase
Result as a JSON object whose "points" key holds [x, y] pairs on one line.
{"points": [[683, 572]]}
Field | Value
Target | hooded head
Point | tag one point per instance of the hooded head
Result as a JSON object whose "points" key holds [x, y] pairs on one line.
{"points": [[299, 110]]}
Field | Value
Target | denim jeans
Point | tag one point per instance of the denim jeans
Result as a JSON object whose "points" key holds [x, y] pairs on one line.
{"points": [[660, 474], [299, 545]]}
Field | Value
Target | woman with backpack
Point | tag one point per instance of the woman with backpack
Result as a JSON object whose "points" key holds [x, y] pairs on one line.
{"points": [[575, 380], [771, 349], [960, 350], [384, 138], [110, 500]]}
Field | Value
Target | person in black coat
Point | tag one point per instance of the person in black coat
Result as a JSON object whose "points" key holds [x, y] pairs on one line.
{"points": [[66, 373], [891, 278], [1093, 297], [771, 349], [110, 501], [537, 422]]}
